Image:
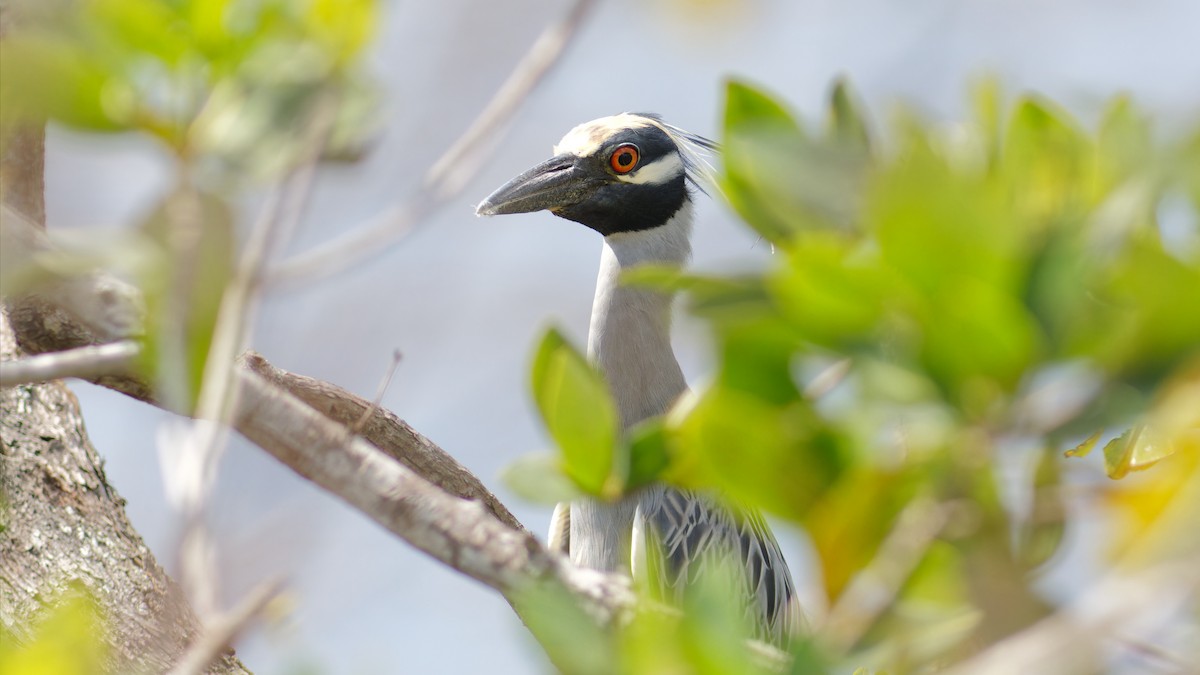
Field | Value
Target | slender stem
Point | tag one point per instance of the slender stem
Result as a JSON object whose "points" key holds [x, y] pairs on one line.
{"points": [[219, 633], [449, 174], [85, 362]]}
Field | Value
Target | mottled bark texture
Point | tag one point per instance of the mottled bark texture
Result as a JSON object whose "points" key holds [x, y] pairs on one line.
{"points": [[63, 524]]}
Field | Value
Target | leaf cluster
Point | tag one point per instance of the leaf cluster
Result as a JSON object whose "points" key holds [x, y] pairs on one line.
{"points": [[944, 303]]}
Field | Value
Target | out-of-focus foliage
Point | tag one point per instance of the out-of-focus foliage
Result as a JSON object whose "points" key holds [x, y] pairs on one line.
{"points": [[238, 91], [581, 418], [946, 302], [227, 80], [67, 640], [579, 414]]}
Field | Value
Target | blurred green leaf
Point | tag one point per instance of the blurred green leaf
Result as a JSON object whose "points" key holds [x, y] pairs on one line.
{"points": [[1137, 449], [1084, 448], [68, 639], [986, 106], [235, 81], [779, 180], [808, 658], [770, 457], [149, 27], [933, 614], [649, 453], [1049, 160], [851, 519], [846, 122], [45, 76], [1124, 142], [708, 638], [1042, 535], [715, 625], [761, 144], [575, 643], [539, 478], [579, 414], [343, 26], [194, 234], [832, 291]]}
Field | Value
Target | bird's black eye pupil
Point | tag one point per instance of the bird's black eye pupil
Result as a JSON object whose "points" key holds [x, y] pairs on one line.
{"points": [[625, 158]]}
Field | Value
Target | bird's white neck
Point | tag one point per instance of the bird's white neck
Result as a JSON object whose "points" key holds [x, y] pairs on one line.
{"points": [[630, 335]]}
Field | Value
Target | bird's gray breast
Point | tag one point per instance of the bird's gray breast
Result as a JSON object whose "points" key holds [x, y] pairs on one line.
{"points": [[601, 533]]}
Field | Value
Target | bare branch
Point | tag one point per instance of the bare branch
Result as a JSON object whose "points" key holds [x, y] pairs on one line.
{"points": [[447, 176], [84, 362], [42, 328], [219, 634], [103, 308], [459, 533], [874, 589], [385, 430], [1092, 619], [383, 386]]}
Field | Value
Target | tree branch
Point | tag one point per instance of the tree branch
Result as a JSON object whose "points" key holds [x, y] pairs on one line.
{"points": [[385, 430], [460, 533], [82, 362], [414, 489], [217, 636], [450, 173], [1091, 619]]}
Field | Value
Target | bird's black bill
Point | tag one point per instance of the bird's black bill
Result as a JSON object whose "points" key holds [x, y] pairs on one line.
{"points": [[558, 182]]}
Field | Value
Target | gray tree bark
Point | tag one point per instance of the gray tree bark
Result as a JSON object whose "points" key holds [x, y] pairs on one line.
{"points": [[61, 523]]}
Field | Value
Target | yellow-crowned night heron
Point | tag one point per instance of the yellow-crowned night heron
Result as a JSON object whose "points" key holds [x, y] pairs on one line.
{"points": [[627, 177]]}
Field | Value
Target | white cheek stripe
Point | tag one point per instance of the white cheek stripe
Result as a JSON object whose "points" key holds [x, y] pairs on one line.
{"points": [[660, 171]]}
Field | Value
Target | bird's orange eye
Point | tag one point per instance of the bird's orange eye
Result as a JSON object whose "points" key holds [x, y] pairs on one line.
{"points": [[624, 158]]}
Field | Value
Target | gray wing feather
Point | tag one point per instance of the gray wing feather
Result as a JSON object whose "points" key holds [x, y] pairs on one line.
{"points": [[686, 534]]}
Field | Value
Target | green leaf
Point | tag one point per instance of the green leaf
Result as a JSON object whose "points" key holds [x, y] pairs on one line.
{"points": [[1049, 160], [831, 292], [579, 414], [140, 28], [745, 445], [986, 106], [68, 639], [649, 452], [846, 122], [1124, 143], [1042, 535], [194, 234], [1084, 448], [1137, 449], [343, 26], [575, 643], [761, 148], [852, 517], [539, 478], [45, 76]]}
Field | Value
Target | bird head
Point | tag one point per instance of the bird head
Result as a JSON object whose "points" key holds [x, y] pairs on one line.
{"points": [[625, 173]]}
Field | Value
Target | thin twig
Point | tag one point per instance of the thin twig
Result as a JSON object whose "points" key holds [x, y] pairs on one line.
{"points": [[235, 324], [874, 588], [85, 362], [1066, 640], [383, 386], [218, 634], [1156, 653], [239, 305], [449, 174]]}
